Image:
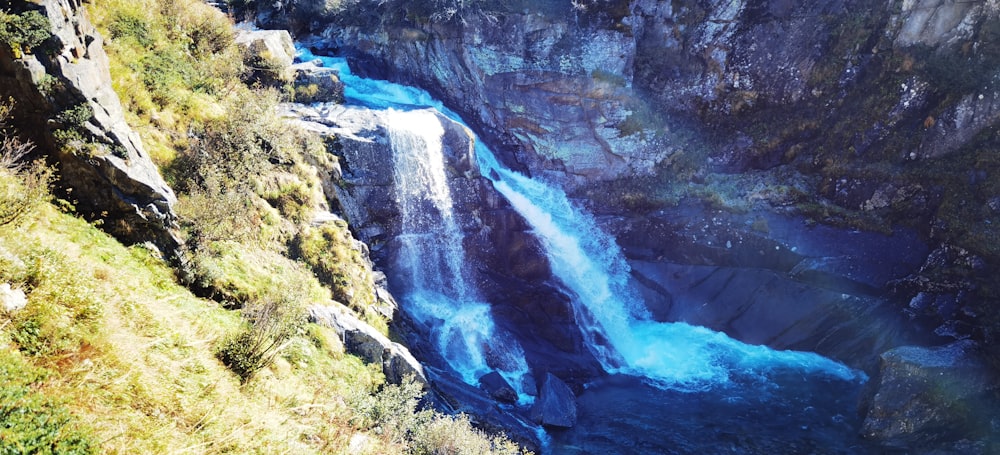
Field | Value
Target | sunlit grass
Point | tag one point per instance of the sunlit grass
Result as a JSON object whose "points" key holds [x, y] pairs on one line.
{"points": [[134, 357]]}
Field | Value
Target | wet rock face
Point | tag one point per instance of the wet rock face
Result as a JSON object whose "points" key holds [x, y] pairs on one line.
{"points": [[111, 176], [773, 280], [556, 404], [940, 400], [503, 258]]}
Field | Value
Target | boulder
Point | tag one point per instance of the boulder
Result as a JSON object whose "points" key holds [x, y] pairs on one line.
{"points": [[556, 404], [12, 300], [269, 53], [932, 398], [366, 342], [498, 387], [314, 84]]}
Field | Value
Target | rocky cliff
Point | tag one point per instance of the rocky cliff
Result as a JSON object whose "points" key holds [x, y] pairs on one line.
{"points": [[64, 102], [811, 175], [850, 114], [505, 258]]}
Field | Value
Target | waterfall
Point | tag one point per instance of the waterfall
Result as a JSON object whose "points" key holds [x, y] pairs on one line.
{"points": [[431, 256], [588, 262], [432, 251]]}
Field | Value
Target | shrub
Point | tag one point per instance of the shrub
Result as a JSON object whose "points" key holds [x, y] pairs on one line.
{"points": [[212, 213], [394, 413], [128, 25], [270, 325], [238, 147], [23, 185], [26, 30], [30, 421]]}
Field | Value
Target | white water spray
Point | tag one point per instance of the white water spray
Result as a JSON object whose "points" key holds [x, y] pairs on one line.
{"points": [[432, 257], [590, 264]]}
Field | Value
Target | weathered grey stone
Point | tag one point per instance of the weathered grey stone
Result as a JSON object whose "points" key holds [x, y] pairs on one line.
{"points": [[114, 179], [366, 342], [12, 300], [556, 404], [268, 53], [929, 397]]}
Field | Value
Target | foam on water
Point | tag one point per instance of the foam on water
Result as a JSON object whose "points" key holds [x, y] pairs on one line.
{"points": [[590, 264], [431, 256]]}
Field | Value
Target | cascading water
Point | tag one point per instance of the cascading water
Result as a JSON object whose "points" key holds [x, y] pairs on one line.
{"points": [[589, 263], [430, 254]]}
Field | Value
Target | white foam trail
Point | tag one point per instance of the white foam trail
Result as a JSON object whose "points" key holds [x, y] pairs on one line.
{"points": [[432, 257], [590, 264]]}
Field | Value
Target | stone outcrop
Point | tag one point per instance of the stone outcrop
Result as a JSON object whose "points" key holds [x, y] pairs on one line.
{"points": [[934, 400], [366, 342], [65, 103], [316, 84], [507, 263], [556, 404], [268, 54]]}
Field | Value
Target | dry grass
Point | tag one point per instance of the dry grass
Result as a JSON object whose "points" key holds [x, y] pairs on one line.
{"points": [[144, 377]]}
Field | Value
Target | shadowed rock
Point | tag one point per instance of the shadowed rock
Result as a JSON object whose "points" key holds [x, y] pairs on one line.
{"points": [[498, 388], [931, 397], [556, 404]]}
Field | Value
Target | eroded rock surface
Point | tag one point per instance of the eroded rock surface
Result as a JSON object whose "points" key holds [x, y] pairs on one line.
{"points": [[109, 174], [934, 400]]}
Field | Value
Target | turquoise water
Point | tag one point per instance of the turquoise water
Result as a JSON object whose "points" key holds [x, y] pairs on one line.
{"points": [[679, 376]]}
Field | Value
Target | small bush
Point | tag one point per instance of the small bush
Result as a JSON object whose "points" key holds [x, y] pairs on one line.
{"points": [[26, 31], [394, 413], [30, 421], [128, 25], [214, 213], [23, 185], [270, 326]]}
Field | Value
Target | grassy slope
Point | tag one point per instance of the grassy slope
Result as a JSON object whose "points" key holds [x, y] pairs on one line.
{"points": [[130, 352], [113, 355]]}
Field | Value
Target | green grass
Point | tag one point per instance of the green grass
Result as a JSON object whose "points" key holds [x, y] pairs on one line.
{"points": [[151, 367], [111, 339]]}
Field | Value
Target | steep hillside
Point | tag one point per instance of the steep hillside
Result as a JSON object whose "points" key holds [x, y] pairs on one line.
{"points": [[199, 344]]}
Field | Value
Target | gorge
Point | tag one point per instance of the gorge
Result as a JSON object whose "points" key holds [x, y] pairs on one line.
{"points": [[593, 226], [774, 242], [614, 327]]}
